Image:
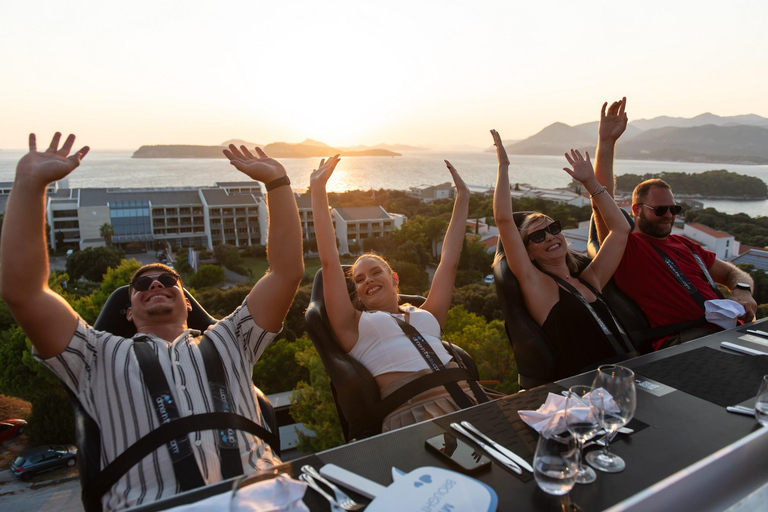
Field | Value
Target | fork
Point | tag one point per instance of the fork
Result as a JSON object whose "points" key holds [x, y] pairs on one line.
{"points": [[335, 507], [342, 498]]}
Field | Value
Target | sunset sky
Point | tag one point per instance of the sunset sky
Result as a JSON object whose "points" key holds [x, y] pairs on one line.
{"points": [[121, 75]]}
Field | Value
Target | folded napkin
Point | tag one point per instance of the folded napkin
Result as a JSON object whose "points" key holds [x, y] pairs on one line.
{"points": [[277, 494], [549, 419], [723, 312]]}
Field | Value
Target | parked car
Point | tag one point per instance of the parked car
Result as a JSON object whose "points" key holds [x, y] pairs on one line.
{"points": [[43, 458], [488, 279], [11, 428]]}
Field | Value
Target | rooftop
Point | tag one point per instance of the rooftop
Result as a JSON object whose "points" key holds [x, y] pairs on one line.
{"points": [[756, 257], [362, 213], [708, 231], [158, 197]]}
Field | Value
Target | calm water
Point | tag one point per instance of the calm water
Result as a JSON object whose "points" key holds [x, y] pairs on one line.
{"points": [[118, 169]]}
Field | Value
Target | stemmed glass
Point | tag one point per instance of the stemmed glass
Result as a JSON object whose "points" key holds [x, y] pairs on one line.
{"points": [[613, 393], [761, 404], [582, 418], [555, 464]]}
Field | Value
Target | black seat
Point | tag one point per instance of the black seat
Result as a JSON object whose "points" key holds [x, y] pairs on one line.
{"points": [[534, 352], [354, 389], [112, 319]]}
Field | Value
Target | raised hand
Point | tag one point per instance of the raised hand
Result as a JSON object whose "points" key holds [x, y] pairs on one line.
{"points": [[582, 167], [322, 174], [260, 168], [501, 153], [613, 124], [52, 164], [460, 185]]}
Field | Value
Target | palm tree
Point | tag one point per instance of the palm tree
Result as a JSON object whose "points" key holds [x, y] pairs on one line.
{"points": [[106, 231]]}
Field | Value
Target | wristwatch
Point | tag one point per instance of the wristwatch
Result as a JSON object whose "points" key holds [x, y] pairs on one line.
{"points": [[743, 286], [278, 182]]}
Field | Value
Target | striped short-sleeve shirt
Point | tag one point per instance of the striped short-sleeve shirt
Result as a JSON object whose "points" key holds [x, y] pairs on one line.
{"points": [[102, 370]]}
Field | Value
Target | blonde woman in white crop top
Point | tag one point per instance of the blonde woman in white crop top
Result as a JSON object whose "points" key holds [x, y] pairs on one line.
{"points": [[373, 337]]}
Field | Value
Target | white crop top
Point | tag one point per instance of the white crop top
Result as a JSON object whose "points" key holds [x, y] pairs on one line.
{"points": [[382, 347]]}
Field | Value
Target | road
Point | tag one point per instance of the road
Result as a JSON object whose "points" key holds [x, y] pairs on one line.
{"points": [[41, 495]]}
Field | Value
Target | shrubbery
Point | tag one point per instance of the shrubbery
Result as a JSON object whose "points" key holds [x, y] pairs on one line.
{"points": [[207, 275]]}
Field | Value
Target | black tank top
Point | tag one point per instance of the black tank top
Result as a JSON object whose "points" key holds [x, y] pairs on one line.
{"points": [[578, 341]]}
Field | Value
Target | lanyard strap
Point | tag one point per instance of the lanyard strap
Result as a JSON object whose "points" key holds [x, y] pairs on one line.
{"points": [[683, 279], [615, 341], [226, 438], [184, 464], [434, 363]]}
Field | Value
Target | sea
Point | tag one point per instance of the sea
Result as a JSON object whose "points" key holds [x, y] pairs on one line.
{"points": [[107, 169]]}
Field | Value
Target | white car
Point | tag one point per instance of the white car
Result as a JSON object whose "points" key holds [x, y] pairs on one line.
{"points": [[488, 279]]}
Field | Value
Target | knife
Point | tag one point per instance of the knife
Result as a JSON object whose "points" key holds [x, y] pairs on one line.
{"points": [[508, 453], [740, 409], [743, 350], [497, 456], [758, 333]]}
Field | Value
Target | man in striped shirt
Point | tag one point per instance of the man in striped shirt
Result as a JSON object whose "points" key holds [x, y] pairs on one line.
{"points": [[103, 370]]}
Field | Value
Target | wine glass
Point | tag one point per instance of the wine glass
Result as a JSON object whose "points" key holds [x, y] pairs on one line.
{"points": [[761, 405], [555, 464], [582, 419], [613, 393]]}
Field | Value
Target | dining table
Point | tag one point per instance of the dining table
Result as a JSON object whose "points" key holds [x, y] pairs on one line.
{"points": [[687, 452]]}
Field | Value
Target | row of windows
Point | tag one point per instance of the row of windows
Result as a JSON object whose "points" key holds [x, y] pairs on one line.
{"points": [[184, 210], [66, 224], [129, 212], [57, 214], [127, 204]]}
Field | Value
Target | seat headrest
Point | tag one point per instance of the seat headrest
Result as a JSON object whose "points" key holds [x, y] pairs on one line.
{"points": [[112, 317]]}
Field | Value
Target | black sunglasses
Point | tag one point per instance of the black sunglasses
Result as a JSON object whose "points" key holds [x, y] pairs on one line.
{"points": [[660, 211], [540, 235], [142, 283]]}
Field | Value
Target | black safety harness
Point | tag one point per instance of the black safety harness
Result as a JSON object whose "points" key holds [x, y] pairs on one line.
{"points": [[173, 430]]}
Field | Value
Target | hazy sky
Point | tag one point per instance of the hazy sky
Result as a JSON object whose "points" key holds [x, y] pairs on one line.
{"points": [[123, 74]]}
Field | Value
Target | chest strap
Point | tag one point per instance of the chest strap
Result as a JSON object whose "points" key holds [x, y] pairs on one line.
{"points": [[103, 482], [621, 343], [434, 364], [683, 279], [180, 449]]}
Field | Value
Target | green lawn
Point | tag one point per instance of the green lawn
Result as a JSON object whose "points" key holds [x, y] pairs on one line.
{"points": [[258, 266]]}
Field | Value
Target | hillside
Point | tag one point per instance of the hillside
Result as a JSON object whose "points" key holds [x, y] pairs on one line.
{"points": [[307, 149], [555, 139]]}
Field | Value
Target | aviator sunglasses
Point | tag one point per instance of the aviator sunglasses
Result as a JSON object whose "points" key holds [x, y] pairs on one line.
{"points": [[660, 211], [540, 235], [142, 283]]}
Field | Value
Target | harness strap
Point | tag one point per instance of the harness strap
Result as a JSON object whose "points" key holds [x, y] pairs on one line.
{"points": [[683, 279], [434, 363], [615, 341], [226, 439], [406, 392], [180, 449], [96, 488], [477, 390]]}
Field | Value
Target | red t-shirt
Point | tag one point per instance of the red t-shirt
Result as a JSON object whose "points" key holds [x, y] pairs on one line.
{"points": [[644, 276]]}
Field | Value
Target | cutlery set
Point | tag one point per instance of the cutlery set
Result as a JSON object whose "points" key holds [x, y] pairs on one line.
{"points": [[339, 501]]}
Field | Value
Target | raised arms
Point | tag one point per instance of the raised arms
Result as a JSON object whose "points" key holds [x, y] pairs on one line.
{"points": [[46, 318], [612, 125], [441, 291], [341, 314], [272, 295], [601, 269]]}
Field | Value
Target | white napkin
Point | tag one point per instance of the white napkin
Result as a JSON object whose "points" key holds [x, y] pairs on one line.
{"points": [[277, 494], [723, 312], [549, 419]]}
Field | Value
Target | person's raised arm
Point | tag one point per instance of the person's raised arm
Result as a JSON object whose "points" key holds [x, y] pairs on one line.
{"points": [[516, 254], [601, 269], [46, 318], [441, 292], [269, 299], [342, 315], [612, 125]]}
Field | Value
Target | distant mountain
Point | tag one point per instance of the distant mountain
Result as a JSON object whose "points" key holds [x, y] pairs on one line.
{"points": [[307, 149], [555, 139], [721, 144], [388, 147], [591, 129], [700, 120]]}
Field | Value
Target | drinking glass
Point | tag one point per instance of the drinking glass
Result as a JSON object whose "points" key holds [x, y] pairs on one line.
{"points": [[613, 393], [761, 405], [582, 419], [555, 464]]}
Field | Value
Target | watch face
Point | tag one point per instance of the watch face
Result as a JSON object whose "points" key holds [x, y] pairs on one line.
{"points": [[743, 286]]}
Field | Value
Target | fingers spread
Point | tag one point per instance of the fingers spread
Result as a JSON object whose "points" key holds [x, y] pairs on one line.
{"points": [[67, 147], [32, 142], [228, 154], [587, 153], [568, 157], [54, 142], [623, 105], [602, 110], [261, 153], [236, 152], [246, 152]]}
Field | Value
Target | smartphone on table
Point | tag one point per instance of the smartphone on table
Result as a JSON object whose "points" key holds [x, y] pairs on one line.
{"points": [[458, 453]]}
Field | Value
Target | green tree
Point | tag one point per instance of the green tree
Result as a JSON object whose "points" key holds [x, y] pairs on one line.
{"points": [[207, 275], [313, 405], [278, 369], [107, 232], [93, 263]]}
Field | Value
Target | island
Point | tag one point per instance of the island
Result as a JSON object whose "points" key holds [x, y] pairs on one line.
{"points": [[717, 184], [306, 149]]}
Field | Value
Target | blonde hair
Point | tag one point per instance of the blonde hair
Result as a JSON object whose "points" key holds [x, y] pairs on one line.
{"points": [[570, 256]]}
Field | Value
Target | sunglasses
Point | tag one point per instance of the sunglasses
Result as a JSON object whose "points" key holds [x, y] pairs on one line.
{"points": [[540, 235], [660, 211], [142, 283]]}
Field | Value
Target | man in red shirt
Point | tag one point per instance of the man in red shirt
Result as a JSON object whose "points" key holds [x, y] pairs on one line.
{"points": [[668, 276]]}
